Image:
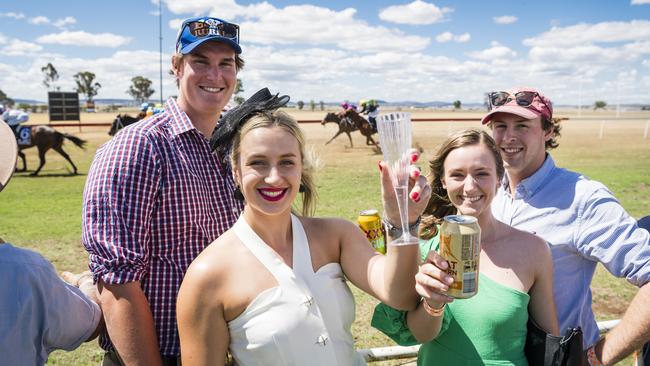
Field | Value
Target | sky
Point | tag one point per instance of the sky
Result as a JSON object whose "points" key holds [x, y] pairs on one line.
{"points": [[575, 51]]}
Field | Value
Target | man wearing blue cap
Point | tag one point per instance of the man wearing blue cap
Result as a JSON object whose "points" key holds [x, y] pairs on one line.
{"points": [[156, 196]]}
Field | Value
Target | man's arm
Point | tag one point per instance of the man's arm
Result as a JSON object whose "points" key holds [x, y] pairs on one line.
{"points": [[129, 323], [631, 333], [119, 201]]}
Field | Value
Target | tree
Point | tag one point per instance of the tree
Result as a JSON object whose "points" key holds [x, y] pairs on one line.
{"points": [[301, 104], [322, 105], [312, 105], [140, 89], [5, 100], [457, 104], [50, 76], [599, 104], [85, 84], [239, 87]]}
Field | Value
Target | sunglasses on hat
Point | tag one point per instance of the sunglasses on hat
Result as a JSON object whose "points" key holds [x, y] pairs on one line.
{"points": [[206, 27], [523, 98]]}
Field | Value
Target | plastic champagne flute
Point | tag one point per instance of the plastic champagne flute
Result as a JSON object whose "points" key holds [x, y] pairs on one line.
{"points": [[395, 138]]}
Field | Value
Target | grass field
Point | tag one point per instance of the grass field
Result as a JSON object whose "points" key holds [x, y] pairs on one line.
{"points": [[44, 213]]}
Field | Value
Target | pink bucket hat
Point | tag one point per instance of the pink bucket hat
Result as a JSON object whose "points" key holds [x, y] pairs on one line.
{"points": [[8, 153], [524, 102]]}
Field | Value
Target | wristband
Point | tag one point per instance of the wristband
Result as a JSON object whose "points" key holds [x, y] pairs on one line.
{"points": [[431, 310], [396, 232], [592, 359]]}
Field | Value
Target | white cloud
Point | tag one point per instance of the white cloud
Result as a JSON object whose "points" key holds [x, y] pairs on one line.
{"points": [[646, 63], [12, 14], [318, 26], [448, 36], [640, 2], [592, 33], [62, 22], [3, 39], [39, 20], [310, 25], [497, 51], [224, 9], [20, 48], [462, 38], [505, 19], [81, 38], [417, 12]]}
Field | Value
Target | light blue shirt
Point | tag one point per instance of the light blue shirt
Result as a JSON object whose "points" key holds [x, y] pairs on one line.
{"points": [[38, 311], [583, 224]]}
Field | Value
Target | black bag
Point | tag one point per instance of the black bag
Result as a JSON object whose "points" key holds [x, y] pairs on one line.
{"points": [[543, 349]]}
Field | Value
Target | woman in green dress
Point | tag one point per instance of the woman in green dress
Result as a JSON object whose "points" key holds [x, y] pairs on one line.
{"points": [[515, 279]]}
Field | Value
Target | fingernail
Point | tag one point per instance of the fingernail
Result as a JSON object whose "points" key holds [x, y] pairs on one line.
{"points": [[415, 196], [379, 165], [449, 280], [414, 158], [416, 173]]}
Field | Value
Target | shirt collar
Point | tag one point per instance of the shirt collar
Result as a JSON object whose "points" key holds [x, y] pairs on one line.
{"points": [[180, 121], [533, 183]]}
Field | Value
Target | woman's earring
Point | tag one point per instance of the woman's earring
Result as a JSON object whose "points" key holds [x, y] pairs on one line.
{"points": [[238, 195], [302, 188]]}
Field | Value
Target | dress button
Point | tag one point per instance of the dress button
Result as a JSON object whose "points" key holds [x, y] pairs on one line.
{"points": [[309, 301], [322, 340]]}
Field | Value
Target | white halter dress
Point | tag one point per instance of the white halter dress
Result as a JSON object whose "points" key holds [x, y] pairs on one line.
{"points": [[305, 320]]}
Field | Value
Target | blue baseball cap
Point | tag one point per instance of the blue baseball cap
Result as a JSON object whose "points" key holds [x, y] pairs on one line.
{"points": [[195, 31]]}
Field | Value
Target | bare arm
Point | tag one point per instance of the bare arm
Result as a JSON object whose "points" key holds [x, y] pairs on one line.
{"points": [[202, 327], [631, 333], [542, 302], [390, 278], [432, 283], [129, 323]]}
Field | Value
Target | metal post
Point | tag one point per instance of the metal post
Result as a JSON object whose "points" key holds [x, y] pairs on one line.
{"points": [[602, 129], [645, 131], [160, 53]]}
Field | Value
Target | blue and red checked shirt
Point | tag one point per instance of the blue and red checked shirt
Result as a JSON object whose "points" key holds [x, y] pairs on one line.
{"points": [[155, 197]]}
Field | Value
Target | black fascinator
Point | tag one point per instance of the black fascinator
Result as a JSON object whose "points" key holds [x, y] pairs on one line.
{"points": [[231, 122]]}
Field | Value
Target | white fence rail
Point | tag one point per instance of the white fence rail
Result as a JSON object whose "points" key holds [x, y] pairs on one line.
{"points": [[399, 352]]}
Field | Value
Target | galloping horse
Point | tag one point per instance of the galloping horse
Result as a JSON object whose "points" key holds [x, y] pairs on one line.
{"points": [[123, 120], [362, 124], [45, 138], [344, 126], [350, 121]]}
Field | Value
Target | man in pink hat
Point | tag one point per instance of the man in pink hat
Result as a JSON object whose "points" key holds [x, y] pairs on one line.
{"points": [[39, 312], [580, 219]]}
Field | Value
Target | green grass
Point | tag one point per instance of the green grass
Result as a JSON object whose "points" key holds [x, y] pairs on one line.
{"points": [[44, 213]]}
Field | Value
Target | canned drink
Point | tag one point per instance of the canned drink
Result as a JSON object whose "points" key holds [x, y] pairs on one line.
{"points": [[370, 223], [460, 245]]}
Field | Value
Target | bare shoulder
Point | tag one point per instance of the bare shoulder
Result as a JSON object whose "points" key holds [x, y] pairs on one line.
{"points": [[528, 241], [330, 225], [210, 268]]}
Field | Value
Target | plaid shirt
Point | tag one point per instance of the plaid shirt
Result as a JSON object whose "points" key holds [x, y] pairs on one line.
{"points": [[155, 197]]}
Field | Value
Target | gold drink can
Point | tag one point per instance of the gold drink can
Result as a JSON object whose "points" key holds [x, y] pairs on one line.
{"points": [[370, 223], [460, 245]]}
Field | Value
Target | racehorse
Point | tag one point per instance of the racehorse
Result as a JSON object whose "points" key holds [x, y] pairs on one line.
{"points": [[45, 138], [363, 125], [344, 126], [123, 120]]}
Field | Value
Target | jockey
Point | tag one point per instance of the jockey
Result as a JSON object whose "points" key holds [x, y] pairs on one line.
{"points": [[14, 117], [370, 108], [345, 105]]}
